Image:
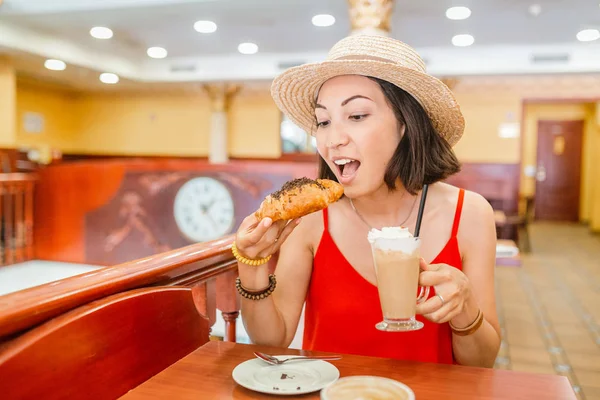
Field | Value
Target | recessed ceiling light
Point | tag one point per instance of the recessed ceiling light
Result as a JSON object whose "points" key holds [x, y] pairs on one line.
{"points": [[248, 48], [205, 26], [323, 20], [458, 13], [535, 9], [463, 40], [55, 65], [156, 52], [109, 78], [101, 32], [588, 35]]}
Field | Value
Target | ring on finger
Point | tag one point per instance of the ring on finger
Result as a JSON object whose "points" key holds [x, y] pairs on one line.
{"points": [[441, 298]]}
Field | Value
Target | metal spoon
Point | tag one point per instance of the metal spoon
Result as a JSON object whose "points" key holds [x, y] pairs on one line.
{"points": [[276, 361]]}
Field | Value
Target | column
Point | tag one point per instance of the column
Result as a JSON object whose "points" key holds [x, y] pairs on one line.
{"points": [[8, 103], [371, 17], [220, 96]]}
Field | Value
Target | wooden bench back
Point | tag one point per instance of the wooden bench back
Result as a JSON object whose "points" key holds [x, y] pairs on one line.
{"points": [[105, 348]]}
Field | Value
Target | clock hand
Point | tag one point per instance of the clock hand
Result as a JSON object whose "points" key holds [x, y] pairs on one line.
{"points": [[212, 221]]}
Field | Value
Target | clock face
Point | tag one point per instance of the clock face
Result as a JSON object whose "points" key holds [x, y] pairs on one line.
{"points": [[203, 209]]}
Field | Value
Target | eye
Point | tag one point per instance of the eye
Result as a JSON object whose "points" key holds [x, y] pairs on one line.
{"points": [[322, 124], [358, 117]]}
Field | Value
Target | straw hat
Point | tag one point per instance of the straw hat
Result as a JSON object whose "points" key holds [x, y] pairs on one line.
{"points": [[295, 90]]}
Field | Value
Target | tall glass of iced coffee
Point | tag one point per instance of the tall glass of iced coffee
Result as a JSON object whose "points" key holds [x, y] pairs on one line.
{"points": [[396, 257]]}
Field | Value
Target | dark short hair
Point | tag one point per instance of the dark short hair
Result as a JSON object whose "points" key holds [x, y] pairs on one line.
{"points": [[422, 156]]}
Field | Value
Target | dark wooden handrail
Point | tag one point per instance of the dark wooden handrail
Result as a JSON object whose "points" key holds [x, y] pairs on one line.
{"points": [[16, 217], [196, 263], [18, 177]]}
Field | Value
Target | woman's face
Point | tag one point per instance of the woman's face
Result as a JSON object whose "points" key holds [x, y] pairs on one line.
{"points": [[357, 132]]}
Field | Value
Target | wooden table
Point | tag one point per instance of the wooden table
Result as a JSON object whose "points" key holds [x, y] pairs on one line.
{"points": [[206, 374]]}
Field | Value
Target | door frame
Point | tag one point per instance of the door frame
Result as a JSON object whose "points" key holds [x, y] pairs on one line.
{"points": [[541, 100]]}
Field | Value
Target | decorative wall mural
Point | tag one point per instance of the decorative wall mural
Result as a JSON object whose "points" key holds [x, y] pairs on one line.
{"points": [[142, 218], [135, 218]]}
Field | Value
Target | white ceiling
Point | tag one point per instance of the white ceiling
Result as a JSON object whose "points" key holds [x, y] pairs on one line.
{"points": [[506, 35]]}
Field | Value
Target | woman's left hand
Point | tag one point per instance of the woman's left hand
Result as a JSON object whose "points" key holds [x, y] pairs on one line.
{"points": [[451, 284]]}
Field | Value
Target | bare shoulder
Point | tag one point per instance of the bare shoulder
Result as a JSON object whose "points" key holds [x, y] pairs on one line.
{"points": [[476, 209], [477, 231]]}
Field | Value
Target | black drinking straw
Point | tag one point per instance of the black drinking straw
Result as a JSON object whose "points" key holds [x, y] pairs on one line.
{"points": [[421, 208]]}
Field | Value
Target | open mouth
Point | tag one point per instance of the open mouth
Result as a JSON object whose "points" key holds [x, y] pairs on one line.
{"points": [[347, 167]]}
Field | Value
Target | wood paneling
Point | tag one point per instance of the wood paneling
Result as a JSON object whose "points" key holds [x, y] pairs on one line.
{"points": [[103, 349], [498, 183], [81, 206], [198, 263]]}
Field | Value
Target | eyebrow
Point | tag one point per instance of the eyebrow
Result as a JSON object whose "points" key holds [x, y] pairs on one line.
{"points": [[348, 100]]}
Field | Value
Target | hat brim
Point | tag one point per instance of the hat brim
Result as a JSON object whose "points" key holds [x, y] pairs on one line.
{"points": [[294, 92]]}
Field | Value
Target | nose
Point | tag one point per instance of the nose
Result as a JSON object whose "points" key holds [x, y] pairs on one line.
{"points": [[336, 137]]}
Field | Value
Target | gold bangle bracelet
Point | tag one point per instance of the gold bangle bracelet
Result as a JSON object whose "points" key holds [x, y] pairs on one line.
{"points": [[248, 261], [471, 328]]}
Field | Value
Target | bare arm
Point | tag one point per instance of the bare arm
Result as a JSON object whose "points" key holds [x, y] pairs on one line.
{"points": [[467, 292], [477, 238], [274, 320]]}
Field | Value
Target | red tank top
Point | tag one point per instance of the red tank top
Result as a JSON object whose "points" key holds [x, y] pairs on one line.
{"points": [[342, 309]]}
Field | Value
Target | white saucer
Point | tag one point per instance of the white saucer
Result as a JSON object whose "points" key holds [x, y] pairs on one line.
{"points": [[291, 378]]}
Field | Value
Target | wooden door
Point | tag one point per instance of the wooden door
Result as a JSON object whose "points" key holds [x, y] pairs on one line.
{"points": [[558, 170]]}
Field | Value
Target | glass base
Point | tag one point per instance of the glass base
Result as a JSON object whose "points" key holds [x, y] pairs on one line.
{"points": [[405, 325]]}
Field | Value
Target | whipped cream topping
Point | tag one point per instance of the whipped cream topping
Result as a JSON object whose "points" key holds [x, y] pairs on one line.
{"points": [[392, 232], [393, 239]]}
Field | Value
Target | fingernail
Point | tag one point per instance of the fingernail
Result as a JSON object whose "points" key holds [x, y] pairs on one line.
{"points": [[267, 222]]}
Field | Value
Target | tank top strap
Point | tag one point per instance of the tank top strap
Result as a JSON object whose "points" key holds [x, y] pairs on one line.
{"points": [[459, 205], [325, 220]]}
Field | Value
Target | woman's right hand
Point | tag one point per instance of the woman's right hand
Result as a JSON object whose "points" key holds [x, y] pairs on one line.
{"points": [[258, 239]]}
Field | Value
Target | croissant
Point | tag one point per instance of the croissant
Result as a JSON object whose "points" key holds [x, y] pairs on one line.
{"points": [[299, 197]]}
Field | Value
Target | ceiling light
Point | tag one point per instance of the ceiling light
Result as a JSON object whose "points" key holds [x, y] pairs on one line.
{"points": [[535, 9], [55, 65], [109, 78], [156, 52], [323, 20], [457, 13], [205, 26], [101, 32], [588, 35], [247, 48], [463, 40]]}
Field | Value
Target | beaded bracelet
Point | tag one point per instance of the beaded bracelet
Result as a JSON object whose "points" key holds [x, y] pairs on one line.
{"points": [[468, 330], [256, 294], [248, 261]]}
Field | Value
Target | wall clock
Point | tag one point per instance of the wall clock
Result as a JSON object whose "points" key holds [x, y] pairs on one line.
{"points": [[203, 209]]}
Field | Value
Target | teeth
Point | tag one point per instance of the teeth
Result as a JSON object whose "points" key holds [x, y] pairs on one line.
{"points": [[343, 161]]}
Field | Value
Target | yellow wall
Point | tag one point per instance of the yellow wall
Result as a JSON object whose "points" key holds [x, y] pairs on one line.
{"points": [[160, 124], [142, 124], [254, 126], [594, 207], [7, 103], [484, 112], [57, 106]]}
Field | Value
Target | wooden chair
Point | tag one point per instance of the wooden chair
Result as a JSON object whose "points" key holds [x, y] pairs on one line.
{"points": [[105, 348]]}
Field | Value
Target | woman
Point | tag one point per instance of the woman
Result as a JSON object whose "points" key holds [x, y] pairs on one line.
{"points": [[382, 143]]}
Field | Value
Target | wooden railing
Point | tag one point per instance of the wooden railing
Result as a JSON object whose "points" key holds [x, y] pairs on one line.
{"points": [[208, 268], [16, 222]]}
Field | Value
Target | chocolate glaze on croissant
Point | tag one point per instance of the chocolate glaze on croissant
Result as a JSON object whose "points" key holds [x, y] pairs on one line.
{"points": [[299, 197]]}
